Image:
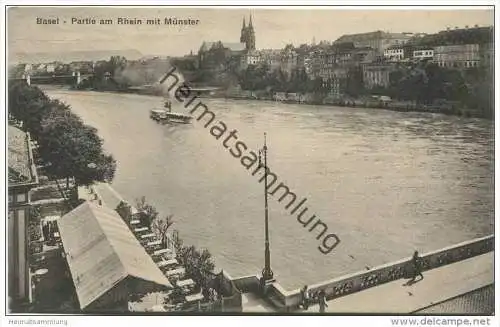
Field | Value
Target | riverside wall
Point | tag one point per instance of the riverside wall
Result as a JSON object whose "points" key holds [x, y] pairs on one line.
{"points": [[359, 281]]}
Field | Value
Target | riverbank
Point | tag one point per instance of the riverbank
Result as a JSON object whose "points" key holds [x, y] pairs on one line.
{"points": [[385, 105], [393, 105]]}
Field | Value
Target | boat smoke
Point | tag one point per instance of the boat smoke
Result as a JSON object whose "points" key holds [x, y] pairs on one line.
{"points": [[147, 74]]}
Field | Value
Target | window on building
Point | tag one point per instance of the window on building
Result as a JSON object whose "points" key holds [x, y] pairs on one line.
{"points": [[21, 197], [11, 198]]}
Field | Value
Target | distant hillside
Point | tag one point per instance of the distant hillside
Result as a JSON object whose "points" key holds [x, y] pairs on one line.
{"points": [[69, 56]]}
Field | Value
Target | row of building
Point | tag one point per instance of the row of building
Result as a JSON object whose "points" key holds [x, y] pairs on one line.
{"points": [[375, 53]]}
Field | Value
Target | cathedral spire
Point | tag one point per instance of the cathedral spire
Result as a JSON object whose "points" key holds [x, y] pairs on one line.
{"points": [[243, 27], [250, 23]]}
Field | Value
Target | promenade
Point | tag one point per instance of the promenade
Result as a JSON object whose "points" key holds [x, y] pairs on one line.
{"points": [[109, 197], [438, 285]]}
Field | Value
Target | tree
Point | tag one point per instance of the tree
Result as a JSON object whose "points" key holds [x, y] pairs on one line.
{"points": [[161, 227], [72, 149], [67, 146], [289, 47], [148, 213], [198, 264], [354, 82], [298, 80], [29, 105], [116, 64]]}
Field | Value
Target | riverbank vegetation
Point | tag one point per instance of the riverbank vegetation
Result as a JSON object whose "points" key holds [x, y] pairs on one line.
{"points": [[198, 263], [67, 147]]}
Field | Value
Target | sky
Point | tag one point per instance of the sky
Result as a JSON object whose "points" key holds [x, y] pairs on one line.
{"points": [[274, 28]]}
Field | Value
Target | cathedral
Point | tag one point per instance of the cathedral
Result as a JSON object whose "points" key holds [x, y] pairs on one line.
{"points": [[248, 35], [209, 54]]}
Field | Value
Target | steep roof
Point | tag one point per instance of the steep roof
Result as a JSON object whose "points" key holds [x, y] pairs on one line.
{"points": [[19, 157], [102, 251]]}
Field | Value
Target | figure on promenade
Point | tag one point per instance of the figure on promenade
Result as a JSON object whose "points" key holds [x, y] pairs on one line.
{"points": [[322, 301], [416, 265], [305, 297]]}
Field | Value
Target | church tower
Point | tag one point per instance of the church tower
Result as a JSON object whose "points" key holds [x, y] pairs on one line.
{"points": [[250, 37], [243, 36]]}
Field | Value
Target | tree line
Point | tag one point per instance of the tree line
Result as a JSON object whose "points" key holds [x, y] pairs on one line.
{"points": [[427, 84], [67, 147]]}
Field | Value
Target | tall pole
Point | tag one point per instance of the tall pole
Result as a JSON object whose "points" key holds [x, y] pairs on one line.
{"points": [[267, 273]]}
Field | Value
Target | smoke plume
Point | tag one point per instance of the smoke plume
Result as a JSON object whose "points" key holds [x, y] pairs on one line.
{"points": [[148, 74]]}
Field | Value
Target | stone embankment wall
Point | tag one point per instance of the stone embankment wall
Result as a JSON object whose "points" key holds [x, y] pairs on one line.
{"points": [[359, 281]]}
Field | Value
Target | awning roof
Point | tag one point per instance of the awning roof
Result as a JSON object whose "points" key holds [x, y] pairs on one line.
{"points": [[102, 251]]}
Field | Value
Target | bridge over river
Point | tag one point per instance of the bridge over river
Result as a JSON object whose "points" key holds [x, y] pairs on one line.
{"points": [[74, 78]]}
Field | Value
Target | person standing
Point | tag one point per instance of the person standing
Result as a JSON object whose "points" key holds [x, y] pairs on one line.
{"points": [[416, 265], [322, 301], [305, 297]]}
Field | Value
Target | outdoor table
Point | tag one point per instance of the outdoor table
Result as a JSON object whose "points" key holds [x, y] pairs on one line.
{"points": [[178, 271], [194, 297], [148, 235], [186, 284], [154, 243], [51, 218], [161, 251], [165, 263], [135, 222], [139, 230], [41, 272]]}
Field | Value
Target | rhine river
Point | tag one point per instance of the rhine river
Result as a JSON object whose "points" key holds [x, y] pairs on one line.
{"points": [[386, 183]]}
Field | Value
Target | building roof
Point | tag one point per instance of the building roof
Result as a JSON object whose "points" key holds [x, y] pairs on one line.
{"points": [[19, 157], [233, 46], [370, 36], [102, 251]]}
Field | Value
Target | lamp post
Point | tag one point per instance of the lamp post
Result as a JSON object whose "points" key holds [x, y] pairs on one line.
{"points": [[267, 273]]}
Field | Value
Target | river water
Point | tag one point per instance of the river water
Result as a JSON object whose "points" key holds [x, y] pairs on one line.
{"points": [[385, 182]]}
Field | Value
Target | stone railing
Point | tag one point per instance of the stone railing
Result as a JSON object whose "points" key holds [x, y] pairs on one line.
{"points": [[247, 284], [231, 297], [359, 281]]}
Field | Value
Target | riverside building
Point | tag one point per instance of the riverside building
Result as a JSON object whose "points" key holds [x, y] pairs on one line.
{"points": [[22, 178]]}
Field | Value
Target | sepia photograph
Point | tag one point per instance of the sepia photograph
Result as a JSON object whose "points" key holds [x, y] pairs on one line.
{"points": [[168, 160]]}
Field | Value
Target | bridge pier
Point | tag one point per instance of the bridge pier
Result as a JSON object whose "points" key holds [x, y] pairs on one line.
{"points": [[78, 77], [27, 78]]}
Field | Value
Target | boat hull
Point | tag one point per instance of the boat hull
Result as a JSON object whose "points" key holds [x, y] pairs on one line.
{"points": [[169, 117]]}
